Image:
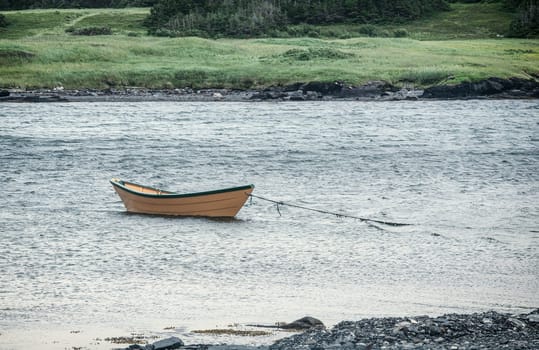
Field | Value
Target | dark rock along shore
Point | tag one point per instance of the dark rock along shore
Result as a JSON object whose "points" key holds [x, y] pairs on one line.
{"points": [[488, 330], [512, 88]]}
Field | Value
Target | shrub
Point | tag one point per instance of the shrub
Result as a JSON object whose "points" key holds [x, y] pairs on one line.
{"points": [[384, 33], [303, 30], [314, 53], [164, 32], [275, 33], [368, 29], [313, 34], [400, 33], [3, 21], [90, 31]]}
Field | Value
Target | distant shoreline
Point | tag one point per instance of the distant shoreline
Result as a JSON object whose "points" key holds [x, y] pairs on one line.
{"points": [[55, 48], [491, 88]]}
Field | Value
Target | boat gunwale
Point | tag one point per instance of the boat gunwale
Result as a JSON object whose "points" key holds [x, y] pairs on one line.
{"points": [[167, 194]]}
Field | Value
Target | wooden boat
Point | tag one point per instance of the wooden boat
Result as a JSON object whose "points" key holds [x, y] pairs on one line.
{"points": [[147, 200]]}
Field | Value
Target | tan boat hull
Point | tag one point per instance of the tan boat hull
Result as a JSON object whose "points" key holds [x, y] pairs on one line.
{"points": [[146, 200]]}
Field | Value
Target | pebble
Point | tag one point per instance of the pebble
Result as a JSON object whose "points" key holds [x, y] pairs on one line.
{"points": [[488, 330]]}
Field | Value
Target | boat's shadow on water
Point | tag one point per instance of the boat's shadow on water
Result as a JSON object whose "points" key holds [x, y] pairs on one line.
{"points": [[178, 217]]}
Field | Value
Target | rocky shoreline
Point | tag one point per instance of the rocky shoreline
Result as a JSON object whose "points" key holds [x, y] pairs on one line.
{"points": [[491, 88], [488, 330]]}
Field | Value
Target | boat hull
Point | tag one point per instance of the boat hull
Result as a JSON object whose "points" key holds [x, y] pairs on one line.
{"points": [[147, 200]]}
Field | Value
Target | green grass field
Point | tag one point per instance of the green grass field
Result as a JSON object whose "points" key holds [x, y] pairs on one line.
{"points": [[36, 51]]}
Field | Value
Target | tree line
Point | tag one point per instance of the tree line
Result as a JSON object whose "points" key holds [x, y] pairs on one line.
{"points": [[262, 17], [256, 17]]}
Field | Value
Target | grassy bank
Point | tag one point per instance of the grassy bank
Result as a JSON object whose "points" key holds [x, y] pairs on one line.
{"points": [[36, 51]]}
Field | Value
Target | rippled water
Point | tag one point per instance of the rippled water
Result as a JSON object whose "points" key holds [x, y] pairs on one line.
{"points": [[465, 173]]}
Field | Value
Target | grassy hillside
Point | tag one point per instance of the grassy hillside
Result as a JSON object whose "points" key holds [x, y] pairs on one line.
{"points": [[37, 23], [464, 21], [35, 51]]}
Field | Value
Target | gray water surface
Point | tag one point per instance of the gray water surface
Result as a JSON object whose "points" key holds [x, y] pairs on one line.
{"points": [[465, 173]]}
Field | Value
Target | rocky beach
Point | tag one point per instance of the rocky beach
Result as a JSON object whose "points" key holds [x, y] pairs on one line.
{"points": [[492, 88], [487, 330]]}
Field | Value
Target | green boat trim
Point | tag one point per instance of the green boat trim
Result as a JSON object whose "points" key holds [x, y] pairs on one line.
{"points": [[167, 194]]}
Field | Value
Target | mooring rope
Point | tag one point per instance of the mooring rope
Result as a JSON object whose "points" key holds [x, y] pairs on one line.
{"points": [[340, 215]]}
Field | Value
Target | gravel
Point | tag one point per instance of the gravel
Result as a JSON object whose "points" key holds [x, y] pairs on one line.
{"points": [[489, 330]]}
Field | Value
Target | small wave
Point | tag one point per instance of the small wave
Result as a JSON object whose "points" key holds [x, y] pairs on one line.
{"points": [[491, 240]]}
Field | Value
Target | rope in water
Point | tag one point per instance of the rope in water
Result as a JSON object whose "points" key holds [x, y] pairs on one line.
{"points": [[340, 215]]}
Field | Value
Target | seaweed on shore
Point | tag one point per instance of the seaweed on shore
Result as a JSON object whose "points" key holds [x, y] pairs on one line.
{"points": [[243, 333]]}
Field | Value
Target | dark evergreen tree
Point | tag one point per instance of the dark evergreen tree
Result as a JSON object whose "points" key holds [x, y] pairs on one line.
{"points": [[526, 21], [5, 5], [3, 21], [253, 17]]}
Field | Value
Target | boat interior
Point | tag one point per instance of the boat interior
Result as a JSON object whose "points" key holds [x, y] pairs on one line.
{"points": [[143, 189]]}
